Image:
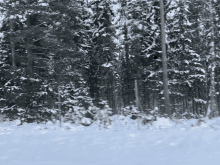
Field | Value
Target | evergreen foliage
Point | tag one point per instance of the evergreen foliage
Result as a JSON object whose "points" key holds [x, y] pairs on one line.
{"points": [[65, 58]]}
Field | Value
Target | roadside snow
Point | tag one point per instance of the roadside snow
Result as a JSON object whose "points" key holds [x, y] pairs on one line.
{"points": [[164, 142]]}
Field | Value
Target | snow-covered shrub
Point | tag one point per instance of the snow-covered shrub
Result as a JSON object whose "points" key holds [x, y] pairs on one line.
{"points": [[89, 114], [188, 115], [102, 116], [86, 117], [148, 119], [86, 121], [130, 111], [74, 115], [133, 113], [176, 115], [69, 116]]}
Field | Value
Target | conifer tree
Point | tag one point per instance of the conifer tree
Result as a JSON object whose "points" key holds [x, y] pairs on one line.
{"points": [[100, 49]]}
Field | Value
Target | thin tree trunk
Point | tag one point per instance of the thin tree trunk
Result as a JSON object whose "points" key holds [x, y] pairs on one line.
{"points": [[211, 112], [145, 97], [136, 94], [197, 104], [115, 93], [193, 102], [164, 61], [185, 99], [59, 105], [138, 104], [148, 97], [154, 96]]}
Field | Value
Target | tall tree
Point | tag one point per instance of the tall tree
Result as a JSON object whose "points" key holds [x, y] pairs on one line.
{"points": [[100, 49], [164, 60]]}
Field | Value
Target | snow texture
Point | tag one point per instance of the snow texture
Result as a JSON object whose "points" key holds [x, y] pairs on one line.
{"points": [[179, 142]]}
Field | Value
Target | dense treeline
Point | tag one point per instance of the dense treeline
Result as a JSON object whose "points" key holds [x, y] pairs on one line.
{"points": [[57, 56]]}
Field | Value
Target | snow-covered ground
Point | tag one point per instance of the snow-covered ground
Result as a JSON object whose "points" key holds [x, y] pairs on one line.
{"points": [[164, 142]]}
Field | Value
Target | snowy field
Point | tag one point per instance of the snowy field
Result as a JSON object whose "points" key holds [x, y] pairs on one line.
{"points": [[164, 142]]}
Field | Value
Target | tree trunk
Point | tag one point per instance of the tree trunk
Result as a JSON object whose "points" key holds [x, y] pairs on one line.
{"points": [[59, 105], [149, 94], [136, 94], [211, 111], [164, 61], [193, 101], [144, 95], [184, 98], [138, 104], [115, 94], [197, 97]]}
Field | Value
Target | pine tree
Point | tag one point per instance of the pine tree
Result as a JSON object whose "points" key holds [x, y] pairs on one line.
{"points": [[39, 36], [187, 73], [100, 50]]}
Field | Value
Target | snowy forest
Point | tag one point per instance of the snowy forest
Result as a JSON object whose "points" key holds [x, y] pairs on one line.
{"points": [[73, 60], [109, 82]]}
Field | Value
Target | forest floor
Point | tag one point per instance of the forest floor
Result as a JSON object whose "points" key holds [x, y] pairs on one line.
{"points": [[164, 142]]}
